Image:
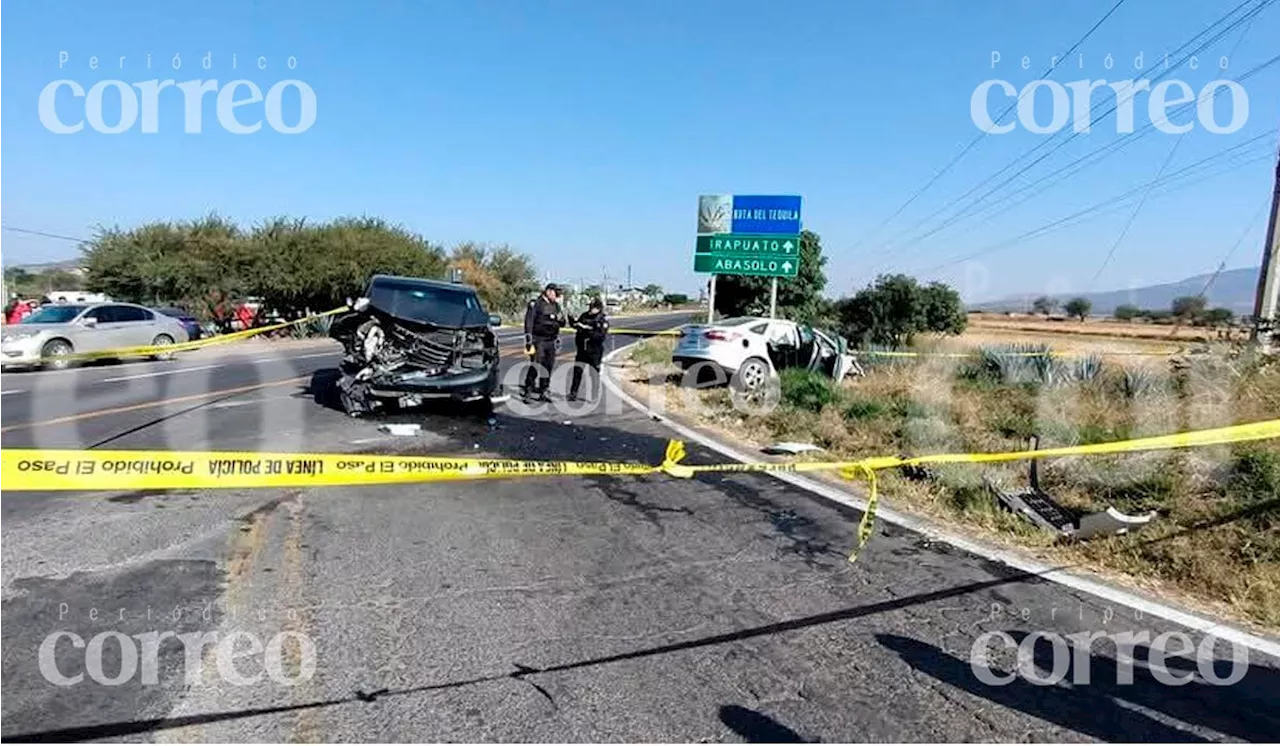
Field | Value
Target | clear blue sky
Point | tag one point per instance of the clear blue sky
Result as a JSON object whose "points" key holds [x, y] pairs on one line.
{"points": [[582, 132]]}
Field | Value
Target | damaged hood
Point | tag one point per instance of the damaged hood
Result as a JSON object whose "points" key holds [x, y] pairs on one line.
{"points": [[426, 307]]}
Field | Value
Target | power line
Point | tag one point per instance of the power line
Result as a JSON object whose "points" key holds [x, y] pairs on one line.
{"points": [[1137, 209], [1222, 264], [1082, 216], [978, 200], [1247, 17], [1111, 147], [1092, 121], [1178, 143], [972, 143], [1118, 200], [28, 231]]}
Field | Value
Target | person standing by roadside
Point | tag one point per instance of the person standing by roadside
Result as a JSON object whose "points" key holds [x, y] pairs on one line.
{"points": [[592, 327], [20, 310], [543, 320]]}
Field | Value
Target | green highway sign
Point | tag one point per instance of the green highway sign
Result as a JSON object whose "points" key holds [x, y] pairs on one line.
{"points": [[749, 244], [764, 265], [766, 255], [752, 234]]}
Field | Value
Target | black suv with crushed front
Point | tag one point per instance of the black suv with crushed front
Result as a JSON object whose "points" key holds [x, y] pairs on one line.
{"points": [[408, 340]]}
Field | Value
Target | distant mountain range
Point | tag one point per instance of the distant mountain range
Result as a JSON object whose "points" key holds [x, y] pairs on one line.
{"points": [[64, 264], [1233, 289]]}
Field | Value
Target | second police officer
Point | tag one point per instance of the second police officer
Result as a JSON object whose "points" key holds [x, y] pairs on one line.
{"points": [[592, 327]]}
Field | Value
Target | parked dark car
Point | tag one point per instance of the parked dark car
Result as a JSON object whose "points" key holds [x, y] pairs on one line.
{"points": [[409, 339], [189, 322]]}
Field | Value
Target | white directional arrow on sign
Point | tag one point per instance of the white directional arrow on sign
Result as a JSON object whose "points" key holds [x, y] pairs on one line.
{"points": [[786, 266], [788, 246]]}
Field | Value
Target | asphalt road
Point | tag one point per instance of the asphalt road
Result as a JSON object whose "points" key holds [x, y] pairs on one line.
{"points": [[720, 608]]}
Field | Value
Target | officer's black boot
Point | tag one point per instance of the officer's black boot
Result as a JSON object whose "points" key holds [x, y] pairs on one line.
{"points": [[575, 384], [543, 385]]}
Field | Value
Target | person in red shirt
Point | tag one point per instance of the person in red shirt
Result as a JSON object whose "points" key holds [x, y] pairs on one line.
{"points": [[21, 310], [245, 316]]}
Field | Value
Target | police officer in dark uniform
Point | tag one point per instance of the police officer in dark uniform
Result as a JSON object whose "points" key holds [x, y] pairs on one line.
{"points": [[593, 327], [543, 320]]}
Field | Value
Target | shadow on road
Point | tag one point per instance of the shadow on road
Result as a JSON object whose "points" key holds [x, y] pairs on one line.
{"points": [[756, 727], [522, 672], [1097, 704]]}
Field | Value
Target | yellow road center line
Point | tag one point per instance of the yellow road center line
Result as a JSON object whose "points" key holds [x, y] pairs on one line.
{"points": [[149, 404]]}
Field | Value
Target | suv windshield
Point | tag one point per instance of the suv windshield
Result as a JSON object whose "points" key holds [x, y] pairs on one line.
{"points": [[54, 315], [428, 304]]}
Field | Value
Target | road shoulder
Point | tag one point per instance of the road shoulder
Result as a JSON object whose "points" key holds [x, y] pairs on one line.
{"points": [[1184, 612]]}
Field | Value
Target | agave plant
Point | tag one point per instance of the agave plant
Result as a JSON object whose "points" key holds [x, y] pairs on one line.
{"points": [[1088, 368], [1019, 363], [1138, 382], [318, 327]]}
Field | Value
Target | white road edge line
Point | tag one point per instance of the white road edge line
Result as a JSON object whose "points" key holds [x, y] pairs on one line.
{"points": [[172, 372], [1053, 574], [12, 391]]}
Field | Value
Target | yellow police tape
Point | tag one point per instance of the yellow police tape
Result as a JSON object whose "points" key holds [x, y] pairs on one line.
{"points": [[148, 350], [1048, 353], [647, 332], [41, 470]]}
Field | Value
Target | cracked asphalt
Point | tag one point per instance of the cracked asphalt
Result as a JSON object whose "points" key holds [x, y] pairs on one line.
{"points": [[720, 608]]}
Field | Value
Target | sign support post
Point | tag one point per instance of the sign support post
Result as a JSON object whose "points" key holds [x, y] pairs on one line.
{"points": [[773, 299], [711, 302]]}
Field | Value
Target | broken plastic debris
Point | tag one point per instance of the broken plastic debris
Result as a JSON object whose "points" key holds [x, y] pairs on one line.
{"points": [[567, 422], [500, 398], [1110, 522], [401, 429], [790, 449]]}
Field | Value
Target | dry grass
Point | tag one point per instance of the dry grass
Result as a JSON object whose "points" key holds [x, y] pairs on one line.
{"points": [[1216, 540], [1123, 330]]}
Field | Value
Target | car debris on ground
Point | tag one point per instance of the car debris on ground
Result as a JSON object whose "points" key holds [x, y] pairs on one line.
{"points": [[789, 449], [1038, 507]]}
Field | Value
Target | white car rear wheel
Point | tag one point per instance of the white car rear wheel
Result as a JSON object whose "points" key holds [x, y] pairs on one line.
{"points": [[752, 374], [162, 340]]}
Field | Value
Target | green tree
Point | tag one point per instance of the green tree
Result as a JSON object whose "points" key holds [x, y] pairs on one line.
{"points": [[1218, 316], [675, 299], [895, 308], [1127, 312], [1079, 307], [799, 298], [1044, 305], [1188, 307], [503, 277], [290, 264], [943, 310]]}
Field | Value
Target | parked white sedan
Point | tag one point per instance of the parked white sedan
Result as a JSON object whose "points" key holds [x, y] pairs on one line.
{"points": [[752, 349], [51, 336]]}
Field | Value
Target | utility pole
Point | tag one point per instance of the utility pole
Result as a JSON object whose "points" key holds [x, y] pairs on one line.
{"points": [[1268, 296]]}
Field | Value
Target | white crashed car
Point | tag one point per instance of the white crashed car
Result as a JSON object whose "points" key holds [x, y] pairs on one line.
{"points": [[752, 349]]}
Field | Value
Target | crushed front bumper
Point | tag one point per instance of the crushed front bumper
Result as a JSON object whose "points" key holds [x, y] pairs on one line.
{"points": [[466, 385], [365, 394]]}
